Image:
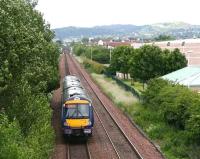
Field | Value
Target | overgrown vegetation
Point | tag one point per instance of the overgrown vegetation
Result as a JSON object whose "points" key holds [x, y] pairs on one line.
{"points": [[169, 113], [143, 64], [116, 93], [164, 38], [96, 53], [179, 109], [146, 62], [161, 115], [28, 72], [93, 66]]}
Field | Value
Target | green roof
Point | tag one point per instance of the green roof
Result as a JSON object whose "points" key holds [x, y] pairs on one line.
{"points": [[186, 76]]}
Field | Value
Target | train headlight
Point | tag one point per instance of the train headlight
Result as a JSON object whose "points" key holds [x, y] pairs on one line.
{"points": [[87, 131], [67, 131]]}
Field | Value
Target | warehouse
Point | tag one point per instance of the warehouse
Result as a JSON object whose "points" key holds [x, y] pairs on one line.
{"points": [[188, 76]]}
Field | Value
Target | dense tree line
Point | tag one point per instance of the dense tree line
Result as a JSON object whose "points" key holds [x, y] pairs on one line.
{"points": [[146, 62], [96, 53], [28, 72], [164, 38]]}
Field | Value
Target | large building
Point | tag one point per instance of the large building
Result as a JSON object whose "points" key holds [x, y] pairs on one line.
{"points": [[188, 76], [189, 47]]}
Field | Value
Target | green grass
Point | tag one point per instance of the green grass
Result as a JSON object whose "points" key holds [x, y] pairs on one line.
{"points": [[136, 85], [115, 92], [169, 139]]}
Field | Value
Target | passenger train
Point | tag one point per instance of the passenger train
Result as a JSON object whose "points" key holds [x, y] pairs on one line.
{"points": [[77, 110]]}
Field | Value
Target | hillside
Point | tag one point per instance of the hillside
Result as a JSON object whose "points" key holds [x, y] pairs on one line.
{"points": [[177, 29]]}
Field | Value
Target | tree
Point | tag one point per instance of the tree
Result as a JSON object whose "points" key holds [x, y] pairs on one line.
{"points": [[28, 71], [85, 40], [79, 49], [120, 58], [164, 38], [146, 63], [99, 54]]}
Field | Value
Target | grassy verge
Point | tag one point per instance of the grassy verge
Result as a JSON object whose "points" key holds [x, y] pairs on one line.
{"points": [[169, 139], [115, 92], [136, 85]]}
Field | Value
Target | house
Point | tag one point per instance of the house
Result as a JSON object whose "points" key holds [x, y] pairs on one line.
{"points": [[112, 44]]}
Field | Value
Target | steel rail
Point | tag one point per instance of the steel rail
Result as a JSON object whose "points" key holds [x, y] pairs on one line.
{"points": [[70, 156], [107, 134], [67, 72], [122, 131]]}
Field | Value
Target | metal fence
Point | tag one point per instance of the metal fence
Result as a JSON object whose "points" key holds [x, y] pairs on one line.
{"points": [[125, 86]]}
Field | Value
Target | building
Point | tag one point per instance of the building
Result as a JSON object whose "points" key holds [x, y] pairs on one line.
{"points": [[189, 47], [188, 76], [113, 44]]}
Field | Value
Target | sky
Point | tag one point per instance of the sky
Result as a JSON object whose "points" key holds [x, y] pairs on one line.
{"points": [[89, 13]]}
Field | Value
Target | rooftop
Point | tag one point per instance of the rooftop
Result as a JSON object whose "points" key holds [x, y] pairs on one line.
{"points": [[188, 76]]}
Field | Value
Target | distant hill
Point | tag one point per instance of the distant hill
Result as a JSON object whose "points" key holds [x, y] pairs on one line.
{"points": [[177, 30]]}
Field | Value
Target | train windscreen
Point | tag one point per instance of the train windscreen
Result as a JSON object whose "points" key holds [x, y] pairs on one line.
{"points": [[77, 111]]}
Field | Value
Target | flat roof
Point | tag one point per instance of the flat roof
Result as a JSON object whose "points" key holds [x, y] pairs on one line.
{"points": [[189, 76]]}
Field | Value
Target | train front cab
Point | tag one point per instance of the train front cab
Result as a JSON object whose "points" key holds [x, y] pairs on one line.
{"points": [[77, 117]]}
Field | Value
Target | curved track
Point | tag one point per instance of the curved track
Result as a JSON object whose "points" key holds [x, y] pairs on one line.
{"points": [[120, 143]]}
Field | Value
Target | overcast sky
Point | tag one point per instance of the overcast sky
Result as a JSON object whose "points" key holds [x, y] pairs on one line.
{"points": [[87, 13]]}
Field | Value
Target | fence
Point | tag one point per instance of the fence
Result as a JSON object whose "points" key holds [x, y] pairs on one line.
{"points": [[125, 86]]}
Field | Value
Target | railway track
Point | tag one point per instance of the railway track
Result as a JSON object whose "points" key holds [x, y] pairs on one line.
{"points": [[76, 148], [77, 151], [120, 143]]}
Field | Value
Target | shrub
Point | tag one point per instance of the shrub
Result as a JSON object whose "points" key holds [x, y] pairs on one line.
{"points": [[177, 105], [193, 122], [93, 66], [151, 95]]}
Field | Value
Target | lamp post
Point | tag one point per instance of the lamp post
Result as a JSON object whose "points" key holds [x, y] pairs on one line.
{"points": [[188, 56], [91, 52], [183, 47], [110, 55]]}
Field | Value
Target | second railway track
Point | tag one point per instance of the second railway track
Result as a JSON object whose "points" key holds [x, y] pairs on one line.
{"points": [[121, 145]]}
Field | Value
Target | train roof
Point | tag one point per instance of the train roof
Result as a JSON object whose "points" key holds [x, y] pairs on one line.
{"points": [[78, 100], [71, 77], [72, 84]]}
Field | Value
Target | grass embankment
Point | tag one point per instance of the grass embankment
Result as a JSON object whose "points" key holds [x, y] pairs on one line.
{"points": [[168, 138], [115, 92], [136, 85]]}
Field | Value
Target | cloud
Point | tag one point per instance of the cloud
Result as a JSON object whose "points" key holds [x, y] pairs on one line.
{"points": [[62, 13]]}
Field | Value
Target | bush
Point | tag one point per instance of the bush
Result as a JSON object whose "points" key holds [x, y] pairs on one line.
{"points": [[30, 134], [177, 105], [193, 122], [98, 53], [79, 49], [154, 87], [93, 66]]}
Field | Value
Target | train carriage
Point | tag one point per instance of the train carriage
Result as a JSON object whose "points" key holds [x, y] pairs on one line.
{"points": [[77, 110]]}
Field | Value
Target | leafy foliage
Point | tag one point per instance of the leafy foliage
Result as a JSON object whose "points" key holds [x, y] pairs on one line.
{"points": [[96, 53], [28, 72], [164, 38], [93, 66], [150, 61], [146, 63], [178, 106], [120, 58]]}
